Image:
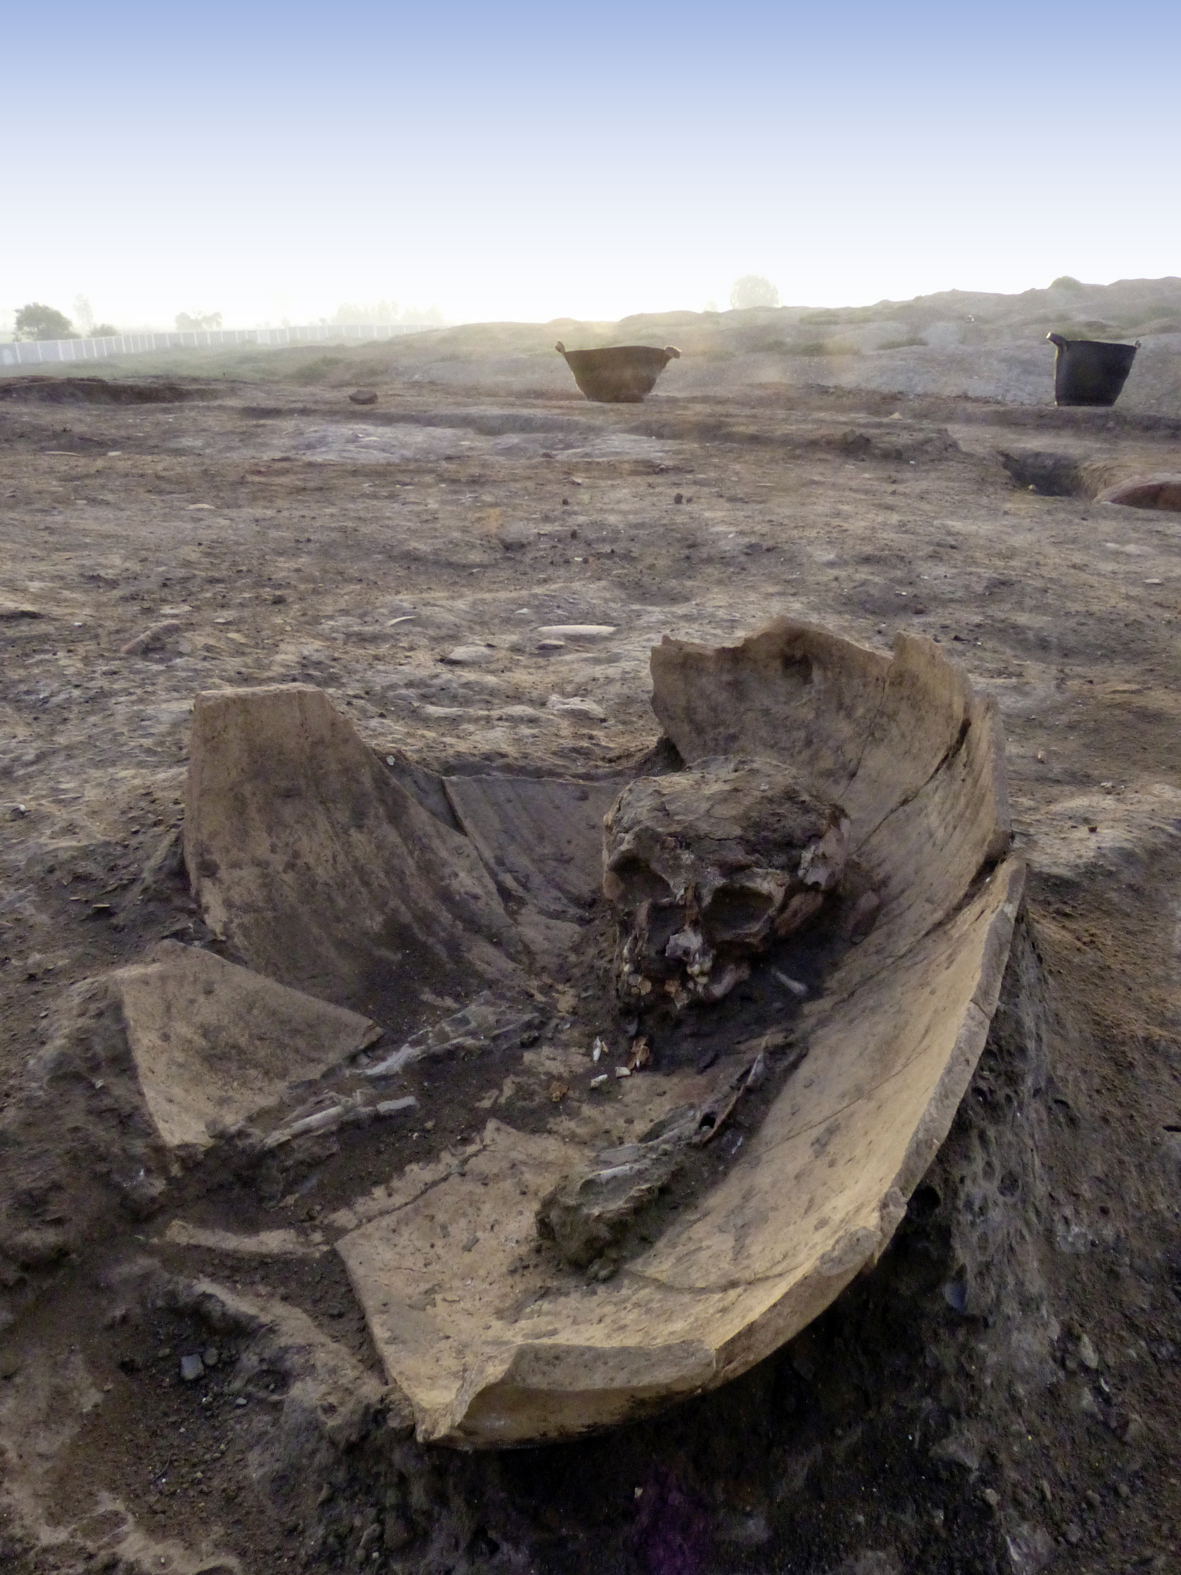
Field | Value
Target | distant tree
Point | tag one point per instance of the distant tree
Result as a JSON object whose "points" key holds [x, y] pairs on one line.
{"points": [[43, 322], [197, 322], [84, 314], [379, 312], [753, 290], [104, 331], [1065, 282]]}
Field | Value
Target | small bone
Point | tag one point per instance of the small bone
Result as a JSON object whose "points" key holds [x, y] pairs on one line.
{"points": [[481, 1025], [584, 1213], [798, 989]]}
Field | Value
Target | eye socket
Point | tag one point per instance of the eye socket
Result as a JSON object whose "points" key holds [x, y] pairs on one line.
{"points": [[736, 911], [629, 881]]}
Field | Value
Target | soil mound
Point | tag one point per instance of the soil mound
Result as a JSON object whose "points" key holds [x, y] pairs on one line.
{"points": [[102, 391]]}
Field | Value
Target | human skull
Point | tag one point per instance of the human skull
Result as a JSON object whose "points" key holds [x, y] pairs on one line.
{"points": [[705, 868]]}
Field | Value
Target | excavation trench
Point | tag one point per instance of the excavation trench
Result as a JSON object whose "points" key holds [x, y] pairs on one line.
{"points": [[1056, 475], [581, 1145]]}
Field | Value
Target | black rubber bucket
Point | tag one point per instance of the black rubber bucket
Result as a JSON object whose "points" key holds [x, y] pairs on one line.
{"points": [[1090, 371], [619, 375]]}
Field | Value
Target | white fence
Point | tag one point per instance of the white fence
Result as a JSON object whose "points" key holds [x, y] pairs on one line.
{"points": [[42, 352]]}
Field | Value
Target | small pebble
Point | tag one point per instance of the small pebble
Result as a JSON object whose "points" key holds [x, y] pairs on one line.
{"points": [[191, 1367], [152, 639], [470, 655], [576, 707]]}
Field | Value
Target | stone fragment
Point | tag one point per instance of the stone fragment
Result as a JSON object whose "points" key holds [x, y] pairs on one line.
{"points": [[191, 1367], [576, 707], [154, 638], [515, 538], [363, 396], [706, 868], [1030, 1549], [470, 655], [961, 1447]]}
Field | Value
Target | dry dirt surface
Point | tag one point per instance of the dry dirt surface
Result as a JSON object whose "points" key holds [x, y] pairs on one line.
{"points": [[1001, 1393]]}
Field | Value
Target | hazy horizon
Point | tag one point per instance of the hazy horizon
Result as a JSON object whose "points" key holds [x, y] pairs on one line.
{"points": [[271, 164]]}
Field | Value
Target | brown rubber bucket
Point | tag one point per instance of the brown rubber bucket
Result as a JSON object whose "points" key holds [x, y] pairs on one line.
{"points": [[620, 374]]}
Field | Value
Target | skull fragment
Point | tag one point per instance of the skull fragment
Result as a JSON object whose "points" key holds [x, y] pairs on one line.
{"points": [[706, 868]]}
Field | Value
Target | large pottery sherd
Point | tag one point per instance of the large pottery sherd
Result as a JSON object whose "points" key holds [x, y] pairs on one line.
{"points": [[499, 1344], [640, 1191]]}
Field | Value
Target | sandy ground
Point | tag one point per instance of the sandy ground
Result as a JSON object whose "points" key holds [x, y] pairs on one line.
{"points": [[407, 557]]}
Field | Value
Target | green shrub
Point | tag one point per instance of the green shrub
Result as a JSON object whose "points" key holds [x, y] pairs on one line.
{"points": [[36, 321]]}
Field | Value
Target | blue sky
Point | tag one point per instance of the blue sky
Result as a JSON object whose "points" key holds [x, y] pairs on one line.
{"points": [[529, 162]]}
